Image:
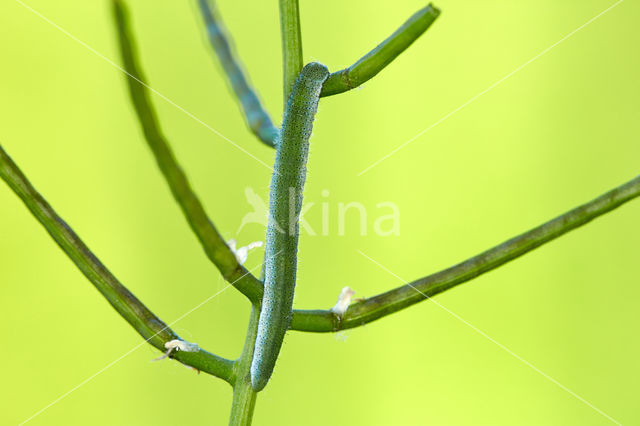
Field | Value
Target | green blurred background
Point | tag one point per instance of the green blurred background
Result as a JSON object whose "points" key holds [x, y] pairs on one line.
{"points": [[559, 132]]}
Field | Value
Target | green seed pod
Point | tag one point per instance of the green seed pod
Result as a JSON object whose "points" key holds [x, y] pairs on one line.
{"points": [[285, 203], [256, 116]]}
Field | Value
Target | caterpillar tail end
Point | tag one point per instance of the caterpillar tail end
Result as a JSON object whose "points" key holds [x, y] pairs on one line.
{"points": [[259, 378]]}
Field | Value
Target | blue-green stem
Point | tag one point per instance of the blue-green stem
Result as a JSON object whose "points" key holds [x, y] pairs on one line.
{"points": [[291, 44], [377, 59], [257, 118], [212, 242], [149, 326]]}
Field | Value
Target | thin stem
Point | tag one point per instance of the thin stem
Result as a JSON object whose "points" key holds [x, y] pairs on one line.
{"points": [[212, 242], [402, 297], [291, 44], [244, 397], [257, 118], [376, 60], [149, 326]]}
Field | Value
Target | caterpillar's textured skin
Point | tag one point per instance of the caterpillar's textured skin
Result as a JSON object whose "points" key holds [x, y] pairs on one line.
{"points": [[282, 232]]}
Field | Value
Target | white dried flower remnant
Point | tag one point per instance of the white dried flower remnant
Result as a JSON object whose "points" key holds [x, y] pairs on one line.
{"points": [[344, 300], [242, 253], [182, 345], [178, 345]]}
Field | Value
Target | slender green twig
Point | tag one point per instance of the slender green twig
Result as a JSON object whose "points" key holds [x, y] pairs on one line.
{"points": [[375, 61], [399, 298], [285, 204], [212, 242], [244, 397], [150, 327], [257, 118], [291, 44]]}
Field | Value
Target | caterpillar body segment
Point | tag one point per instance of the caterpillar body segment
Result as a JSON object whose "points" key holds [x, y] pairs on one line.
{"points": [[285, 203]]}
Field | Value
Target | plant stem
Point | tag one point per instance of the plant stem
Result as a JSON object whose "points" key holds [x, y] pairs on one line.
{"points": [[244, 398], [243, 404], [291, 44], [377, 59], [402, 297], [257, 118], [149, 326], [212, 242]]}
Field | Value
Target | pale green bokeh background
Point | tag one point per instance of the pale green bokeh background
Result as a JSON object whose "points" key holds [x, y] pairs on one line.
{"points": [[559, 132]]}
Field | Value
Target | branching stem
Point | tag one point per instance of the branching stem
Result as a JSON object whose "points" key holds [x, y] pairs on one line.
{"points": [[402, 297], [212, 242], [246, 374], [376, 60], [150, 327]]}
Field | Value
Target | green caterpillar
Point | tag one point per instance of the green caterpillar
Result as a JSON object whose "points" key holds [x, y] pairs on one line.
{"points": [[285, 202]]}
